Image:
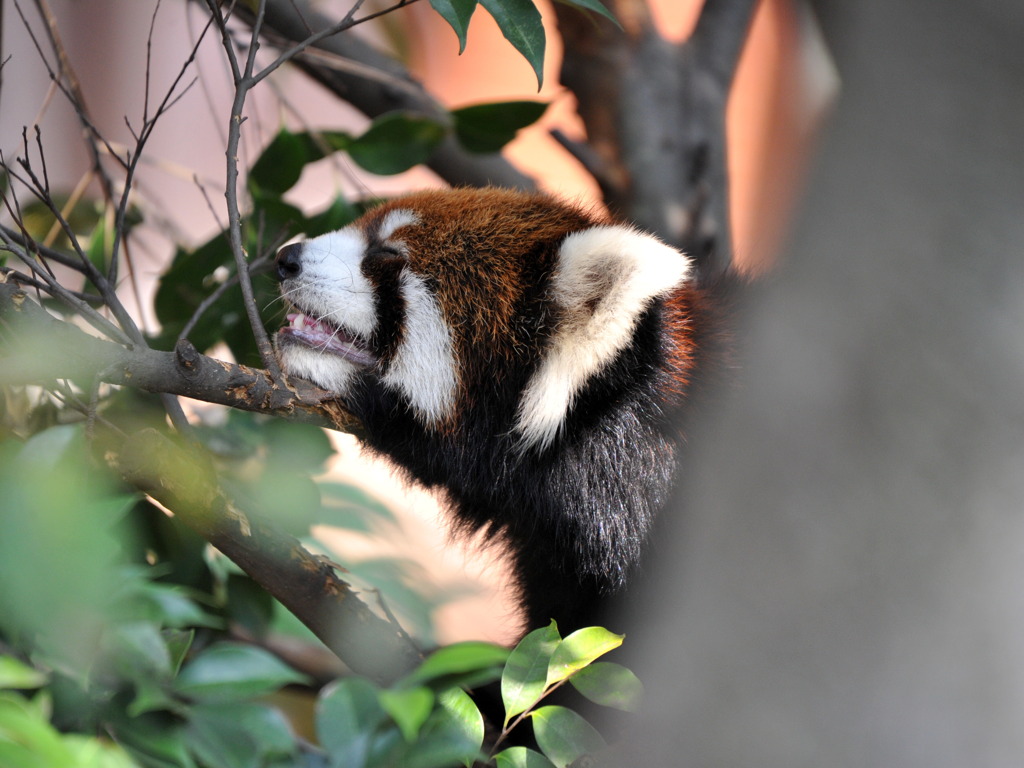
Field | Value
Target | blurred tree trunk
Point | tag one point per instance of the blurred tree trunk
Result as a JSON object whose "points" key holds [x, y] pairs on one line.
{"points": [[846, 585]]}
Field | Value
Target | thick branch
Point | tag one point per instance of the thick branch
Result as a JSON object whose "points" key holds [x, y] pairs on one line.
{"points": [[306, 585], [39, 348], [655, 115], [719, 37], [393, 88]]}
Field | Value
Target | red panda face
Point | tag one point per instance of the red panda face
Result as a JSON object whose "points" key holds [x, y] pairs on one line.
{"points": [[443, 296]]}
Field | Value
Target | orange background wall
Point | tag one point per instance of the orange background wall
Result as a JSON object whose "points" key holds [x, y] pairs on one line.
{"points": [[767, 121]]}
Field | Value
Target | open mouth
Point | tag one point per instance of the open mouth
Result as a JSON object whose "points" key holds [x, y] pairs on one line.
{"points": [[326, 338]]}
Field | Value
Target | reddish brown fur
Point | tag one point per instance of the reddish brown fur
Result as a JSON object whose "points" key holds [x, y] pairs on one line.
{"points": [[478, 294]]}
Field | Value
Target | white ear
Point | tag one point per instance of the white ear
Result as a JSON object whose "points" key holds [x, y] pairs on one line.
{"points": [[606, 277]]}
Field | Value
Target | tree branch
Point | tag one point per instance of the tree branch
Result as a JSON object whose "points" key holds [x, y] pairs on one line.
{"points": [[391, 88], [244, 81], [719, 37], [308, 586], [39, 348], [655, 117]]}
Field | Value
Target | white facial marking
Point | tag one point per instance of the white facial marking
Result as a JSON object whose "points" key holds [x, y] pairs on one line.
{"points": [[331, 287], [395, 220], [424, 368], [330, 372], [605, 278]]}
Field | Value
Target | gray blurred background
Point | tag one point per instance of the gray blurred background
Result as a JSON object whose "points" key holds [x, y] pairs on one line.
{"points": [[847, 588]]}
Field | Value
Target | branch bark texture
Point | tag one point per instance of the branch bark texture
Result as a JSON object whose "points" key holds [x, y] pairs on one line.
{"points": [[306, 585], [654, 112], [40, 348]]}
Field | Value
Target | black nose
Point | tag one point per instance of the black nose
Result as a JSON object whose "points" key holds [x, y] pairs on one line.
{"points": [[289, 261]]}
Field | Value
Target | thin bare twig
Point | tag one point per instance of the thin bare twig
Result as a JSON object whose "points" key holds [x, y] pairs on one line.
{"points": [[79, 307], [255, 267], [8, 235], [129, 163], [360, 86], [128, 328], [243, 82], [25, 279], [245, 77], [74, 354]]}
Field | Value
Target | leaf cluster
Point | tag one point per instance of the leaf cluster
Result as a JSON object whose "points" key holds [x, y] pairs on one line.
{"points": [[205, 277], [119, 629], [518, 20]]}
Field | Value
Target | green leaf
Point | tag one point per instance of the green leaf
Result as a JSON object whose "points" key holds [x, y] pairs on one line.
{"points": [[238, 735], [457, 13], [350, 506], [231, 671], [56, 500], [347, 716], [89, 752], [280, 165], [191, 278], [138, 653], [409, 708], [609, 684], [520, 23], [525, 675], [272, 220], [579, 649], [592, 5], [521, 757], [26, 738], [459, 659], [489, 127], [452, 734], [195, 275], [100, 244], [155, 739], [178, 642], [248, 604], [137, 648], [338, 214], [297, 447], [395, 142], [564, 736], [167, 605], [15, 674]]}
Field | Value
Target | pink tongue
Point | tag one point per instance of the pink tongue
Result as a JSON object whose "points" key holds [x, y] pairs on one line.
{"points": [[328, 339]]}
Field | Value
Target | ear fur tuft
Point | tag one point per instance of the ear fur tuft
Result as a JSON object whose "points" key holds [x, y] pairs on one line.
{"points": [[606, 277]]}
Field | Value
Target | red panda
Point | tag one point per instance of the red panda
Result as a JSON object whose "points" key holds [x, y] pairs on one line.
{"points": [[527, 357]]}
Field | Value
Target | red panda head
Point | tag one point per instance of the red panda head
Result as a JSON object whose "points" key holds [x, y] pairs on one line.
{"points": [[444, 297]]}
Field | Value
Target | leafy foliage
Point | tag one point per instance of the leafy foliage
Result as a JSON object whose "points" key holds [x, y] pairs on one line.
{"points": [[519, 21], [458, 14], [201, 279], [541, 663], [116, 621], [520, 24], [489, 127]]}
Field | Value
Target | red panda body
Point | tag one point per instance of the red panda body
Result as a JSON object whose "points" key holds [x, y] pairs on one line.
{"points": [[525, 356]]}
